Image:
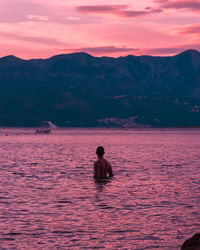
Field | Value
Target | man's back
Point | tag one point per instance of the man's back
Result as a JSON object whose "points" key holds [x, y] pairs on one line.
{"points": [[102, 169]]}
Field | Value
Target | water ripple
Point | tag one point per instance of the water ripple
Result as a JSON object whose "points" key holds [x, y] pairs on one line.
{"points": [[49, 200]]}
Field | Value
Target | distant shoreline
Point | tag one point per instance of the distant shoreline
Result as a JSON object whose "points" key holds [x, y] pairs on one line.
{"points": [[121, 128]]}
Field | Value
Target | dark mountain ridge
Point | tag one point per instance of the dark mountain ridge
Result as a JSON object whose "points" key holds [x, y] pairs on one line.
{"points": [[81, 90]]}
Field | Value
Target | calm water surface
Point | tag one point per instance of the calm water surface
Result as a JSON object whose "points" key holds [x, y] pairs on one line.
{"points": [[49, 199]]}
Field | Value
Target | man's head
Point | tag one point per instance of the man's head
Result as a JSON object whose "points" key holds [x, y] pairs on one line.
{"points": [[100, 151]]}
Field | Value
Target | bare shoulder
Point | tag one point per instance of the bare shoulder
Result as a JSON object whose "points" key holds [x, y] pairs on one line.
{"points": [[109, 168], [102, 163], [107, 163], [97, 163]]}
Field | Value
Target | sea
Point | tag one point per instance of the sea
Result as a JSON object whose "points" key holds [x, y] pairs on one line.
{"points": [[50, 200]]}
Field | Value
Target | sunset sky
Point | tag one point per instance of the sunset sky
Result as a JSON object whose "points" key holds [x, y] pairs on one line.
{"points": [[43, 28]]}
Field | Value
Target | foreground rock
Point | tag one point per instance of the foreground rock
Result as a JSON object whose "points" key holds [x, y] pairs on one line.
{"points": [[193, 243]]}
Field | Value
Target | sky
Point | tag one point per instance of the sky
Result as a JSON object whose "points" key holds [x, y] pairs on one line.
{"points": [[44, 28]]}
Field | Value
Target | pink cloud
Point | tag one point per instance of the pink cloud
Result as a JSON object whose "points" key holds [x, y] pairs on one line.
{"points": [[168, 50], [12, 11], [35, 39], [101, 8], [118, 10], [45, 26], [101, 50], [190, 5], [16, 11], [162, 51], [193, 29], [132, 13]]}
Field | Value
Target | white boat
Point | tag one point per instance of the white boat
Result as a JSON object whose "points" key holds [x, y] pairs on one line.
{"points": [[42, 131], [47, 129]]}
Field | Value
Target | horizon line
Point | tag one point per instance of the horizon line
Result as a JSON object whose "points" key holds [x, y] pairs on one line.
{"points": [[82, 52]]}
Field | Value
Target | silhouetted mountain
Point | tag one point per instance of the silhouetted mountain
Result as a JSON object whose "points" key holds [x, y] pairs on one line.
{"points": [[81, 90]]}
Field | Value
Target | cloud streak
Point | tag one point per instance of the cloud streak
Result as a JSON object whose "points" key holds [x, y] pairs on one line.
{"points": [[192, 29], [47, 26], [101, 49], [117, 10], [12, 11], [169, 50], [189, 5], [34, 39]]}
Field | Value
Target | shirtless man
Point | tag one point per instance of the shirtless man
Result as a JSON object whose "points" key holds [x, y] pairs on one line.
{"points": [[102, 168]]}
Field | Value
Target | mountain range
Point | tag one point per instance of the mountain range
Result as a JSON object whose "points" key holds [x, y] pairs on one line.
{"points": [[81, 90]]}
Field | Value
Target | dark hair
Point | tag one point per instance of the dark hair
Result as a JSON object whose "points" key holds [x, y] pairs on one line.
{"points": [[100, 151]]}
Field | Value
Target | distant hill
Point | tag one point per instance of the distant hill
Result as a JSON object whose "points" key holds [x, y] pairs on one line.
{"points": [[81, 90]]}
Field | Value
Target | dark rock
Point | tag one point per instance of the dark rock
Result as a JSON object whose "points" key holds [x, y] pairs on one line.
{"points": [[193, 243]]}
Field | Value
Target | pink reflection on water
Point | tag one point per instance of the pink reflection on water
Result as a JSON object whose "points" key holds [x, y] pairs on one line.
{"points": [[49, 200]]}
